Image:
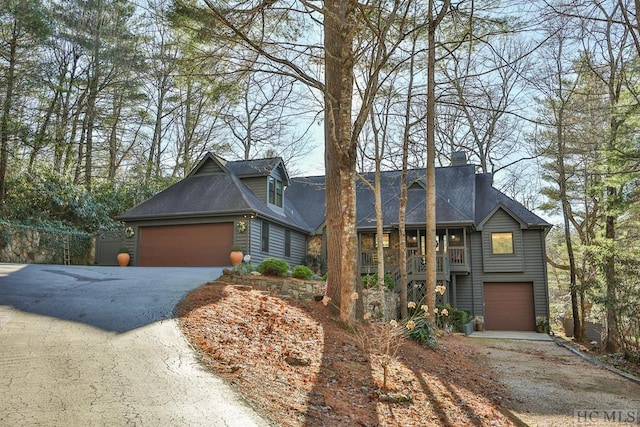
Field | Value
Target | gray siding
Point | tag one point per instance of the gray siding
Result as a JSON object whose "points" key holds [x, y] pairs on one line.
{"points": [[534, 271], [276, 244], [241, 238], [474, 286], [209, 167], [463, 291], [258, 186], [502, 222]]}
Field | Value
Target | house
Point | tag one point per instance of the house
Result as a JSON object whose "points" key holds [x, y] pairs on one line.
{"points": [[491, 249]]}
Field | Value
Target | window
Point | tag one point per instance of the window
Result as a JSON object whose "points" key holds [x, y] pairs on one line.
{"points": [[502, 243], [278, 193], [265, 236], [456, 236], [412, 239], [385, 240], [274, 191], [287, 243]]}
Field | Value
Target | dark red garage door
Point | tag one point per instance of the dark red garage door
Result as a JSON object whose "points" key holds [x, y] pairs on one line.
{"points": [[194, 245], [509, 307]]}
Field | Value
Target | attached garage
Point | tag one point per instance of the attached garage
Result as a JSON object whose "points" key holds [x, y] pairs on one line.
{"points": [[189, 245], [509, 307]]}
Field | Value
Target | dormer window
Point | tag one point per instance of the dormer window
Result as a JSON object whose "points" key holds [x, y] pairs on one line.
{"points": [[275, 191]]}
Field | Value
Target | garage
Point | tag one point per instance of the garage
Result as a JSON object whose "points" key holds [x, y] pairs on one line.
{"points": [[192, 245], [509, 307]]}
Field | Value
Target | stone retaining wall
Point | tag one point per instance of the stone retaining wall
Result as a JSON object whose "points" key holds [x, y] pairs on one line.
{"points": [[23, 245], [306, 290], [302, 290]]}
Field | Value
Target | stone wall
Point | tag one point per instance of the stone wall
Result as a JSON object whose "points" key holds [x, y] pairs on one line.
{"points": [[285, 287], [306, 290], [372, 303], [24, 245]]}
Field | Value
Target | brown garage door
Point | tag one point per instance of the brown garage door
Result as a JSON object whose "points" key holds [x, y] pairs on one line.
{"points": [[509, 307], [194, 245]]}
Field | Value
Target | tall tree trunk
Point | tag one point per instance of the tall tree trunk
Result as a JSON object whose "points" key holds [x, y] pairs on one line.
{"points": [[62, 146], [6, 112], [40, 137], [157, 128], [431, 274], [340, 156], [113, 136], [402, 209], [90, 120], [613, 341], [578, 328]]}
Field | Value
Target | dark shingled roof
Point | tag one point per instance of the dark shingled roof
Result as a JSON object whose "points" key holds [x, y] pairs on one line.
{"points": [[258, 167], [488, 198], [463, 197], [214, 194]]}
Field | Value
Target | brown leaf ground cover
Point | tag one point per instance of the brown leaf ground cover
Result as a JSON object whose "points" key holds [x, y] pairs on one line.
{"points": [[299, 367]]}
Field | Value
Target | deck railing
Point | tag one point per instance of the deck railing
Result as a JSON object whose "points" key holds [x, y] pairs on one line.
{"points": [[415, 262]]}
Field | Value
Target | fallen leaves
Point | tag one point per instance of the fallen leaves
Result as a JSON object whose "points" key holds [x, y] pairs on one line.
{"points": [[300, 367]]}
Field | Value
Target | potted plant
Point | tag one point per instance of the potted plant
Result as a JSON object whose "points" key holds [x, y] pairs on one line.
{"points": [[236, 255], [542, 325], [123, 257]]}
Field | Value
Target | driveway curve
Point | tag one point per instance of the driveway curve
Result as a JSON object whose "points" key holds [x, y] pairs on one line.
{"points": [[550, 386], [98, 346]]}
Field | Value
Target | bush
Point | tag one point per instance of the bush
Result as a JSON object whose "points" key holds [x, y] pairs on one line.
{"points": [[456, 318], [371, 281], [421, 331], [273, 267], [302, 272], [244, 268]]}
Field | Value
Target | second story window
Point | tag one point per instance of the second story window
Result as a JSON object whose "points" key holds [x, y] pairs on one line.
{"points": [[274, 191], [502, 243]]}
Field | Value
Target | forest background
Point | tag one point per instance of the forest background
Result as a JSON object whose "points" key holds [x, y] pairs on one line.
{"points": [[106, 102]]}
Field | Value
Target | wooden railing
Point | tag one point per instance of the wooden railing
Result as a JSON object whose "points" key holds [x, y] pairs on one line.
{"points": [[415, 262]]}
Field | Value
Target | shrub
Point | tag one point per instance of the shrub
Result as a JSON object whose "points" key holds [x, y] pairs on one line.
{"points": [[371, 281], [419, 329], [5, 236], [273, 267], [456, 318], [244, 268], [302, 272]]}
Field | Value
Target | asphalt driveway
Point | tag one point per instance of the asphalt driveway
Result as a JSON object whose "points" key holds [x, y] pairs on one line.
{"points": [[99, 346]]}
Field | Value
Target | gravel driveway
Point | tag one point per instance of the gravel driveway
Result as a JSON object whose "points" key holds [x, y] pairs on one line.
{"points": [[97, 346], [551, 386]]}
